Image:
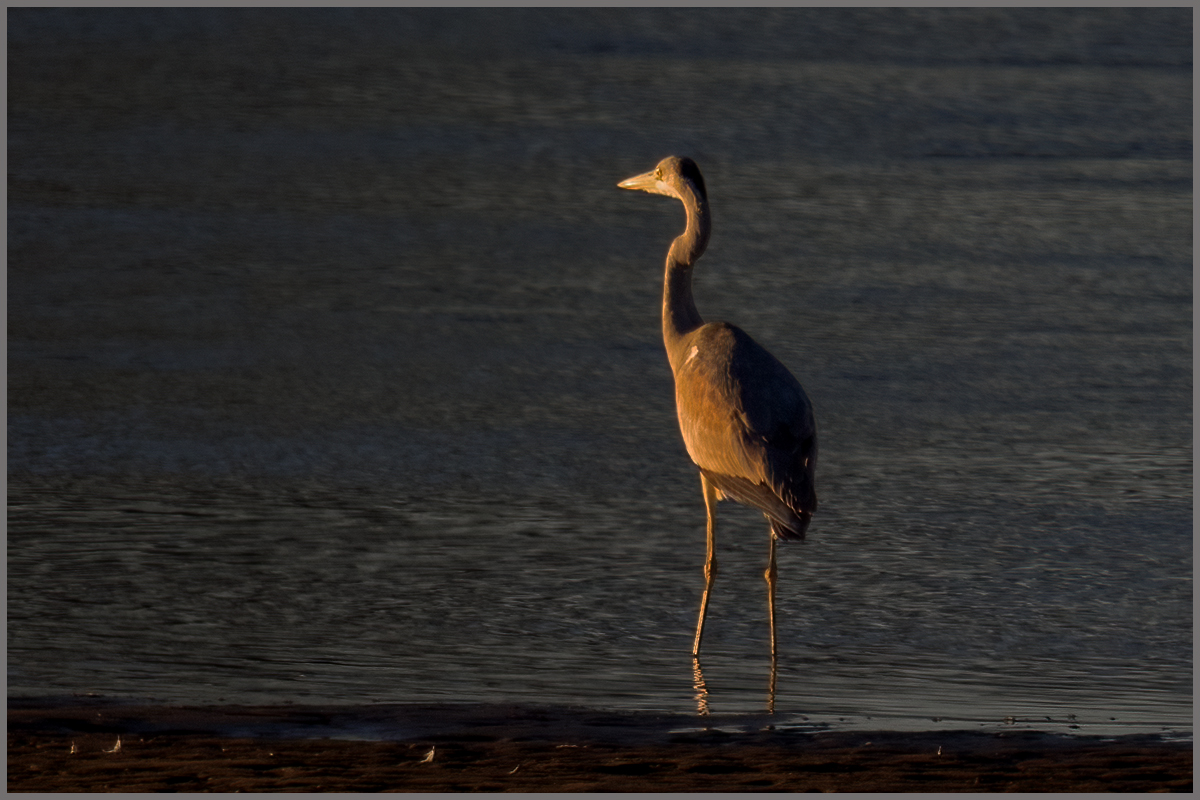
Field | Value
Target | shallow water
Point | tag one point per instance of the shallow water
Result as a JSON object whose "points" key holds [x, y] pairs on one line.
{"points": [[335, 372]]}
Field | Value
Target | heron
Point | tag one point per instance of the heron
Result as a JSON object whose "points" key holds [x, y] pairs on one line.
{"points": [[746, 421]]}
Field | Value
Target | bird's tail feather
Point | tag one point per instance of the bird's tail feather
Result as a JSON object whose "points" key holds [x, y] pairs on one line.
{"points": [[786, 523], [781, 530]]}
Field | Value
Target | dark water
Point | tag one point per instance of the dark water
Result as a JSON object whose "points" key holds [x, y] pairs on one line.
{"points": [[335, 372]]}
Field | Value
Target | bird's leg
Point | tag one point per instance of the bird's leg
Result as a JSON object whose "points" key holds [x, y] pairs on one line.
{"points": [[710, 563], [770, 576]]}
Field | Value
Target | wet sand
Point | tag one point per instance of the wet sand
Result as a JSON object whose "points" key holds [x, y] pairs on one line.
{"points": [[90, 748]]}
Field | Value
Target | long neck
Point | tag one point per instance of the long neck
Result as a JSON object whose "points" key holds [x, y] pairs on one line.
{"points": [[680, 316]]}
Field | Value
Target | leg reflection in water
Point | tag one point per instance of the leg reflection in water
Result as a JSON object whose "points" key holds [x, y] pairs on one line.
{"points": [[701, 688], [771, 687]]}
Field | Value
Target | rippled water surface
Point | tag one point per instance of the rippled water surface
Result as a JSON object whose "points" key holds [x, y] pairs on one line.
{"points": [[335, 372]]}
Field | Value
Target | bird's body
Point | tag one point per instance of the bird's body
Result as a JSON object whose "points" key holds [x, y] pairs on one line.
{"points": [[747, 424], [745, 419]]}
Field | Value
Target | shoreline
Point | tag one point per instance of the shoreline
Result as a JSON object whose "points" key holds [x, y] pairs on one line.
{"points": [[110, 746]]}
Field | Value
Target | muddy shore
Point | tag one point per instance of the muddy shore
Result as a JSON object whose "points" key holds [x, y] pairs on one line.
{"points": [[90, 748]]}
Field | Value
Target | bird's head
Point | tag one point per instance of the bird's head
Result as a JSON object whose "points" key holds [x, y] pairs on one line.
{"points": [[672, 175]]}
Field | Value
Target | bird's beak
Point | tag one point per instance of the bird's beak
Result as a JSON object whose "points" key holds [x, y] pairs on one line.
{"points": [[647, 182]]}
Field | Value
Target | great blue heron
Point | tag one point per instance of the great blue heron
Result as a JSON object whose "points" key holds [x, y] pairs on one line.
{"points": [[745, 419]]}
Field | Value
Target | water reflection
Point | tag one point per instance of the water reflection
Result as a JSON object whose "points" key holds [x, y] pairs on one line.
{"points": [[701, 687], [771, 685]]}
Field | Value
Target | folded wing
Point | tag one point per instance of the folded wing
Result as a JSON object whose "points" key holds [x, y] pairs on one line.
{"points": [[748, 425]]}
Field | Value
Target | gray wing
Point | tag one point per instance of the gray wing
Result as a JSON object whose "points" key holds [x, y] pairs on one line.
{"points": [[747, 423]]}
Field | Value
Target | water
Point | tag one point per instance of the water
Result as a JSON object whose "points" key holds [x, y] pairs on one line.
{"points": [[335, 372]]}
